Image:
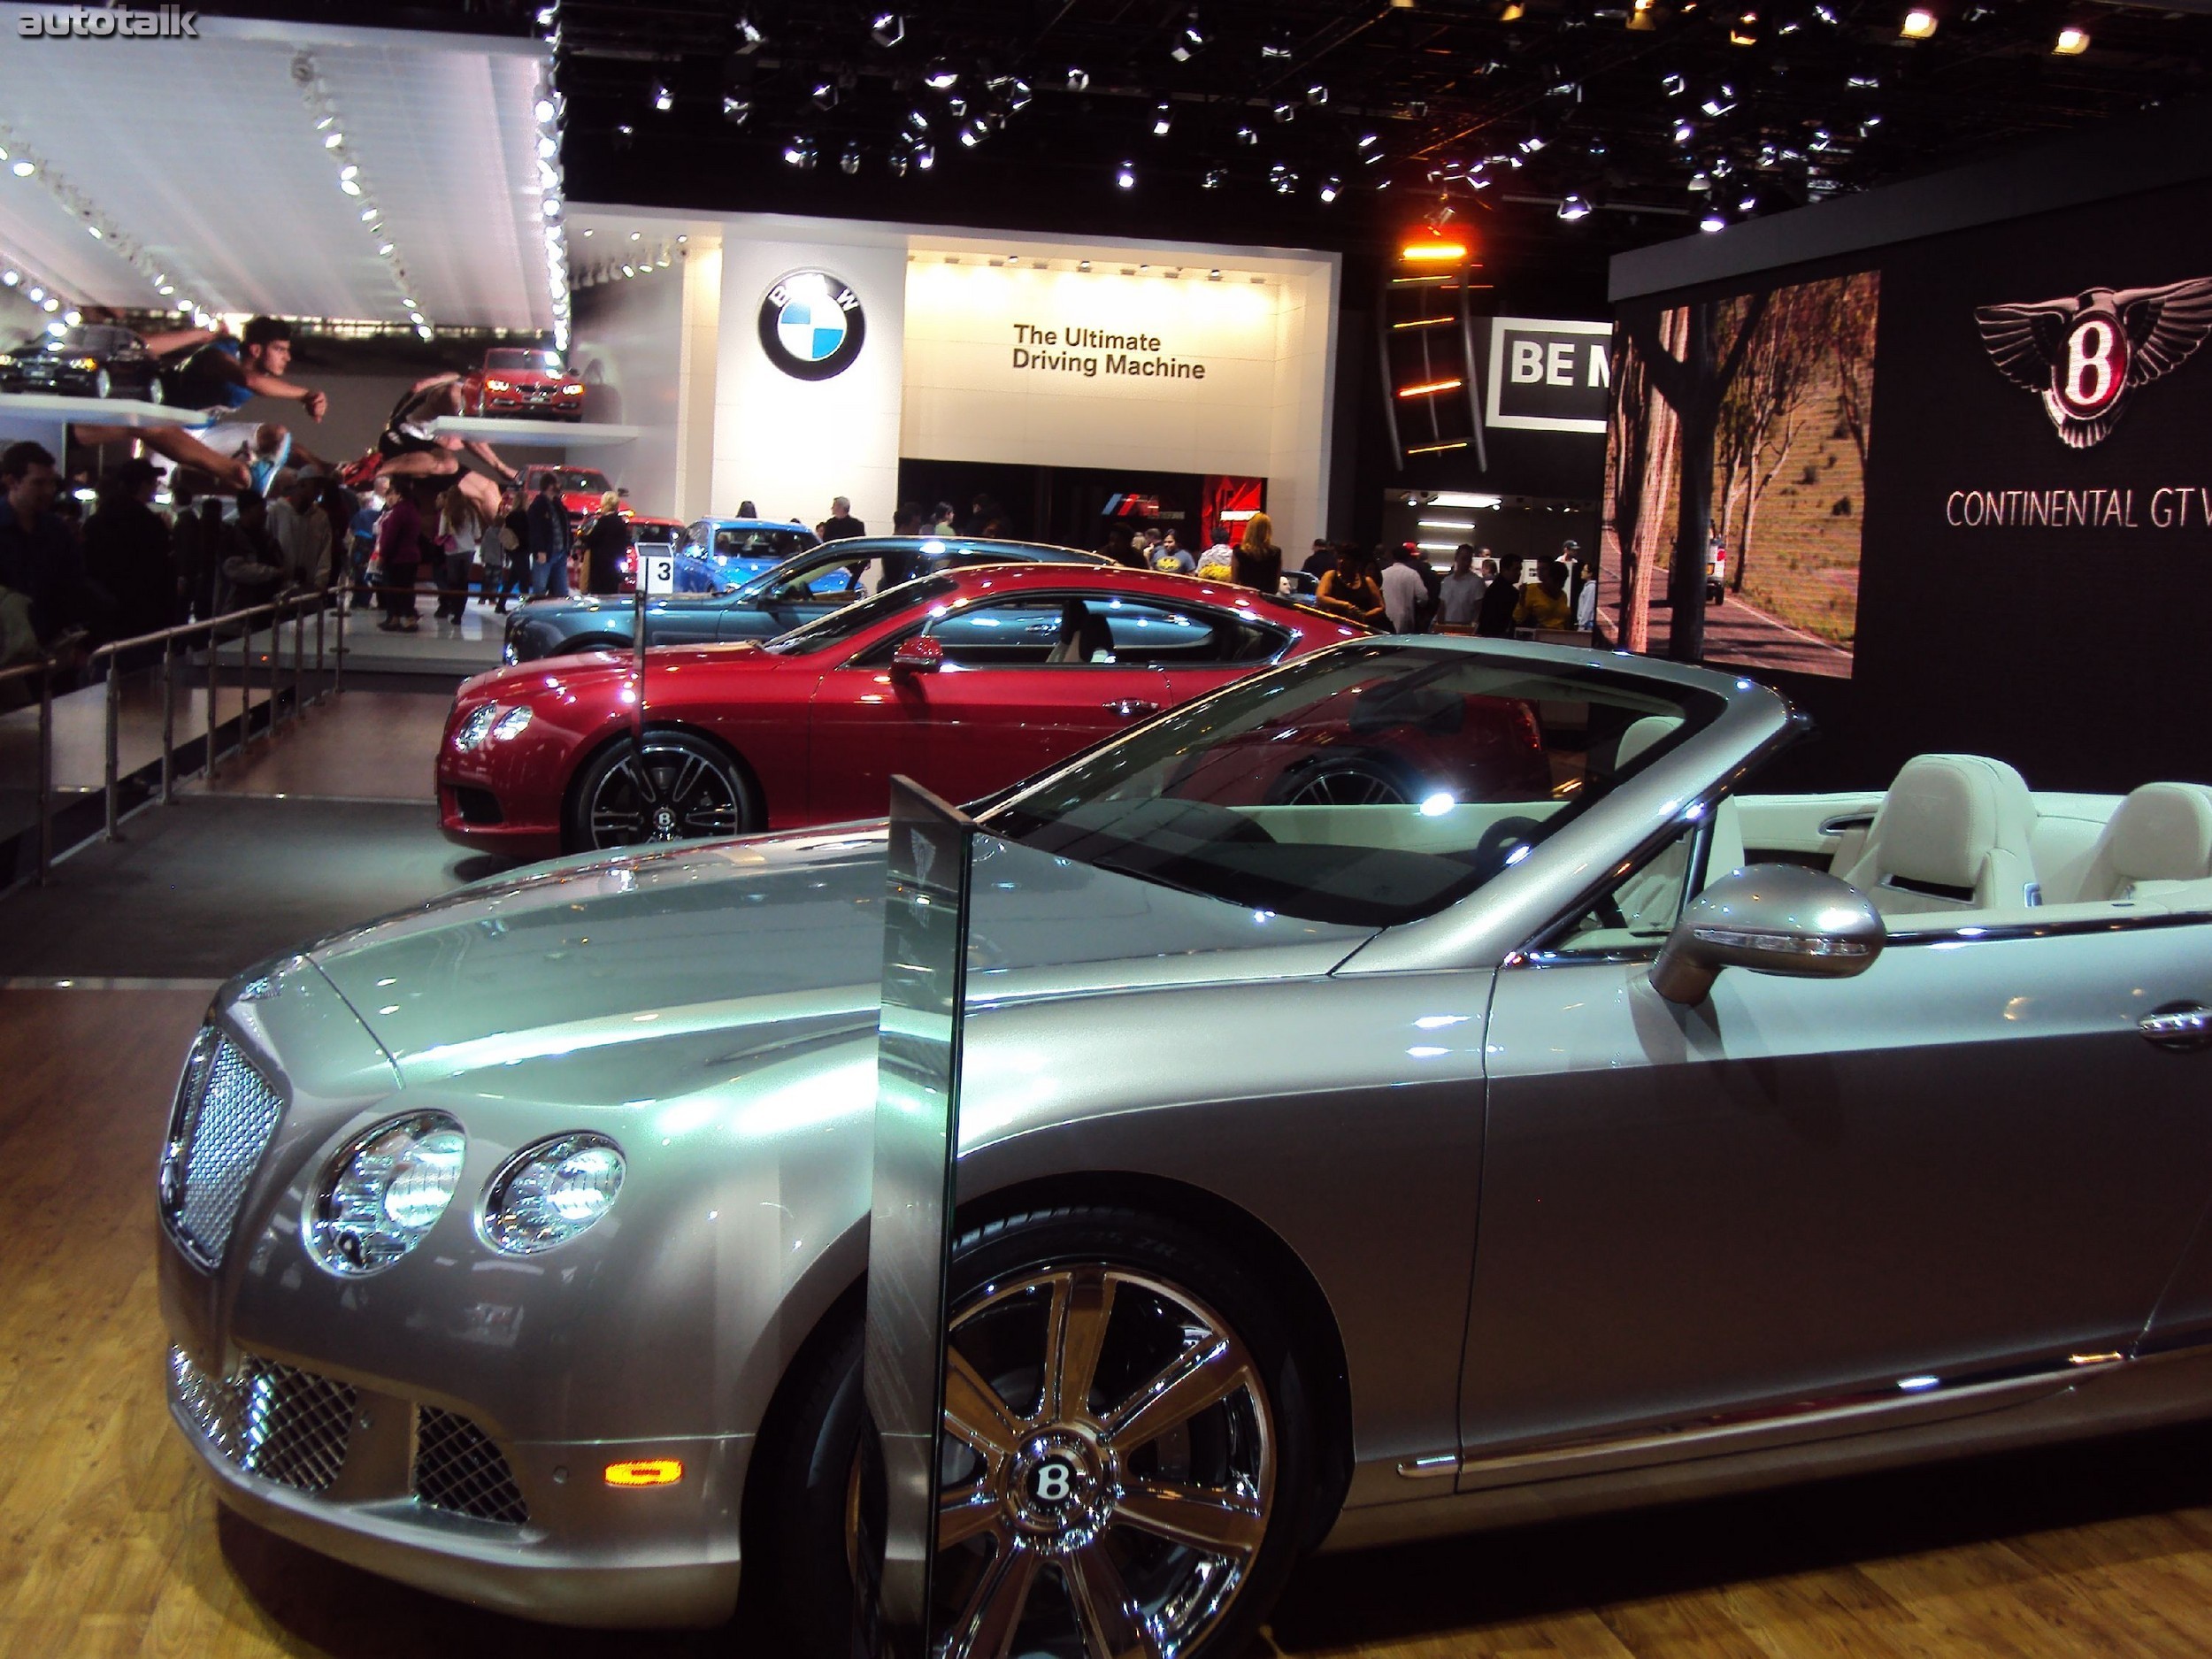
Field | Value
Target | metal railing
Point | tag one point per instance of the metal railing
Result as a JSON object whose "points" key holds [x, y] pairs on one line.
{"points": [[243, 626], [44, 671]]}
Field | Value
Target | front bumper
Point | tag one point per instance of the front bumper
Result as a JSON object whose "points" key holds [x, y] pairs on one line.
{"points": [[465, 827], [565, 1548], [553, 407]]}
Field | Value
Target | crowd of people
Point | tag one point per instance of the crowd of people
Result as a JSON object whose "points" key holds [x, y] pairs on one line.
{"points": [[1397, 589]]}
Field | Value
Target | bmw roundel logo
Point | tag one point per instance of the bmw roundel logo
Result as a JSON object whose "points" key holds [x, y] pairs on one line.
{"points": [[811, 325]]}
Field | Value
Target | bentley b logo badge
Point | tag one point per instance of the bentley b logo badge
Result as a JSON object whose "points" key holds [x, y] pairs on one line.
{"points": [[2082, 357]]}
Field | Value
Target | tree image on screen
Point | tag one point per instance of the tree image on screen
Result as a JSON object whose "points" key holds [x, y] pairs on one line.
{"points": [[1735, 467]]}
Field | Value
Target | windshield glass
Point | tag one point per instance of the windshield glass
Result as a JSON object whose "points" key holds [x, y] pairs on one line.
{"points": [[515, 362], [1369, 785], [855, 619], [95, 337], [576, 480]]}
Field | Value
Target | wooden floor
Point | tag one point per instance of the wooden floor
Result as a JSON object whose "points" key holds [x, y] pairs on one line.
{"points": [[110, 1545]]}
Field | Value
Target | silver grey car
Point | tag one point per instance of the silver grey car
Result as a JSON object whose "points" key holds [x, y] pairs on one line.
{"points": [[1422, 1087]]}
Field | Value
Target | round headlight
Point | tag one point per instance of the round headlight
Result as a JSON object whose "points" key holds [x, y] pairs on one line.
{"points": [[477, 728], [548, 1193], [511, 724], [384, 1191]]}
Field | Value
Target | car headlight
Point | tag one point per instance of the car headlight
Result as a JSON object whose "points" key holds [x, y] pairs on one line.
{"points": [[476, 728], [499, 385], [551, 1193], [575, 389], [384, 1192], [511, 724], [84, 363]]}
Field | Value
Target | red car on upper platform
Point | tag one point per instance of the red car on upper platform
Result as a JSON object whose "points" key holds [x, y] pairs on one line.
{"points": [[967, 681], [516, 380]]}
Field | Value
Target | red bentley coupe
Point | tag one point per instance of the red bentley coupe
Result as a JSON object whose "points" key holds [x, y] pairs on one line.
{"points": [[967, 681]]}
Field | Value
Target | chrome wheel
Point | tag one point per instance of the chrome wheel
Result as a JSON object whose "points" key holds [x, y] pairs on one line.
{"points": [[1350, 782], [1109, 1471], [673, 790]]}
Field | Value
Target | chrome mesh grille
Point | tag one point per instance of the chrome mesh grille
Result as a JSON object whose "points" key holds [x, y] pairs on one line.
{"points": [[459, 1469], [274, 1420], [226, 1113]]}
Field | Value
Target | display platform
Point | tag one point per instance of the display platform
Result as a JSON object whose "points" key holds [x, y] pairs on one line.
{"points": [[47, 407], [471, 647], [571, 434]]}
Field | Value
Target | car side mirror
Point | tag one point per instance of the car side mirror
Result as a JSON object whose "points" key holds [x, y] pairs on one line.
{"points": [[623, 491], [1773, 918], [922, 654]]}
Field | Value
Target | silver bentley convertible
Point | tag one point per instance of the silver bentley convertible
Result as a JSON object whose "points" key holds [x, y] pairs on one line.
{"points": [[1422, 1087]]}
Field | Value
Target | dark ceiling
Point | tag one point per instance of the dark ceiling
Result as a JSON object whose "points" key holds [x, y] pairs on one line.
{"points": [[1340, 126]]}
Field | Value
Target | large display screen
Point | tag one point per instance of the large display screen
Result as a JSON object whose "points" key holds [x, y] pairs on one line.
{"points": [[1777, 386]]}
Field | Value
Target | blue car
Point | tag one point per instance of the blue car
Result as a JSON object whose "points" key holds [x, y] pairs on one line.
{"points": [[724, 552]]}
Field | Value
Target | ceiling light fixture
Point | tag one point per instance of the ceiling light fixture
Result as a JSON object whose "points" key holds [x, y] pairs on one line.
{"points": [[1331, 187], [1216, 177], [1246, 137], [1190, 41], [735, 108], [1162, 119], [942, 77], [1572, 207], [2071, 43], [664, 98], [1126, 176], [749, 39], [1712, 221], [1918, 24], [887, 30], [1078, 80]]}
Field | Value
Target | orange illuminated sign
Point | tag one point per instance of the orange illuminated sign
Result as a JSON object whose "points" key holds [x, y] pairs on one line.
{"points": [[1434, 252], [1428, 389], [646, 1472]]}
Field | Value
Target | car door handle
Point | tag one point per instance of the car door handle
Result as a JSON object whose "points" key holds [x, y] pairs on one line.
{"points": [[2182, 1025], [1130, 708]]}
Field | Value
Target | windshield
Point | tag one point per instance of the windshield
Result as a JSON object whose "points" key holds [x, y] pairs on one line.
{"points": [[576, 480], [1369, 785], [98, 337], [855, 619], [516, 362]]}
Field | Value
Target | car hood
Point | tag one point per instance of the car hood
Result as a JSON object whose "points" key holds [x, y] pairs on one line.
{"points": [[567, 676], [628, 969]]}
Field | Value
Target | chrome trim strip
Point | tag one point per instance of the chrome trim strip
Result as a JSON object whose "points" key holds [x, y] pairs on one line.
{"points": [[1973, 935], [1906, 1394]]}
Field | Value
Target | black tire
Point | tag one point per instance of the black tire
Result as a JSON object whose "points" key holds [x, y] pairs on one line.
{"points": [[803, 1485], [688, 788]]}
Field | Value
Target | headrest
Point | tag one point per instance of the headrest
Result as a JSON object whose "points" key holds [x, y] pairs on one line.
{"points": [[1945, 813], [2163, 831], [1643, 735]]}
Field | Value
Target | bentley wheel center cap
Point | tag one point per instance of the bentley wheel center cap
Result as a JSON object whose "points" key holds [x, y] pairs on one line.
{"points": [[664, 820], [1057, 1489]]}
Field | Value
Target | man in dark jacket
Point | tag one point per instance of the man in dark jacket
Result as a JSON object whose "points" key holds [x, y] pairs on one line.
{"points": [[1499, 600], [551, 541], [38, 559], [253, 563], [127, 552]]}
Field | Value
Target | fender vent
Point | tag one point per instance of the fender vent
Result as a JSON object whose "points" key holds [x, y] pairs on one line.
{"points": [[457, 1469]]}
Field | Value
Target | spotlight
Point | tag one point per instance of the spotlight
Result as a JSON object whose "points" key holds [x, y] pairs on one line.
{"points": [[548, 147], [1283, 177], [543, 109], [1918, 24], [749, 39], [799, 153], [1078, 80], [887, 30], [623, 133], [1533, 142], [1684, 132], [916, 119], [897, 161], [1672, 85], [925, 157], [1331, 188], [663, 99], [1366, 141], [1017, 95], [1126, 176], [735, 107], [1721, 102], [1574, 208], [848, 164], [1748, 205], [973, 133], [22, 169], [1190, 41], [825, 94], [1317, 94], [35, 294], [333, 140], [1160, 121], [1277, 50], [1216, 177], [1713, 221], [2071, 43], [1285, 111], [942, 77], [1246, 137]]}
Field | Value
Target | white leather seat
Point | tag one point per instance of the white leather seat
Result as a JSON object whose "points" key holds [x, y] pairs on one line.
{"points": [[2163, 831], [1952, 833], [1645, 733]]}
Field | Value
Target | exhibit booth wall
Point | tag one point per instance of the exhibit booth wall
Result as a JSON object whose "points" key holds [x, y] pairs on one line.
{"points": [[975, 347], [1985, 395]]}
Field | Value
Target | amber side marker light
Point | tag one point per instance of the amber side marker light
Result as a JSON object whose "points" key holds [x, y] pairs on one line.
{"points": [[1434, 252], [646, 1472]]}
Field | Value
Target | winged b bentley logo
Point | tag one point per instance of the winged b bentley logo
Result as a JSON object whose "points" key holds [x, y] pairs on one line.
{"points": [[2082, 357]]}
